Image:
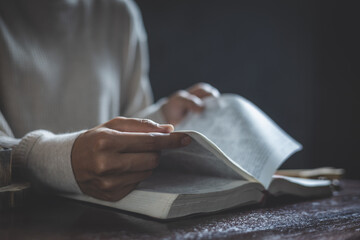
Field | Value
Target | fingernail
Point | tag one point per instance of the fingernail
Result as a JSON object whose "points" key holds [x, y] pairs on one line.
{"points": [[166, 126], [186, 140]]}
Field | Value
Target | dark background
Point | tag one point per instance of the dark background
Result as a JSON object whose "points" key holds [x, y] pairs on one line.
{"points": [[296, 60]]}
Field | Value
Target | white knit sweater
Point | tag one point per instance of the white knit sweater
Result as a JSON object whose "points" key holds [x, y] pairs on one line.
{"points": [[66, 66]]}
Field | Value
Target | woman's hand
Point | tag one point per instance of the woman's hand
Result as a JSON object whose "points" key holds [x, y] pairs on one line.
{"points": [[184, 101], [110, 160]]}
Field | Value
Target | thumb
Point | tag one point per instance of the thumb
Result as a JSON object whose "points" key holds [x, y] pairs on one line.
{"points": [[123, 124]]}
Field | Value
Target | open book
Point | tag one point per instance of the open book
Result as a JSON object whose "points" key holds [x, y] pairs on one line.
{"points": [[231, 162]]}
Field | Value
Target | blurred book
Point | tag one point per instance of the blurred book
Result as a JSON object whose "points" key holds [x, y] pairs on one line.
{"points": [[317, 173]]}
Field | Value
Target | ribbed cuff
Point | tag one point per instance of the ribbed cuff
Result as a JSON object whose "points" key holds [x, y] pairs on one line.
{"points": [[46, 160]]}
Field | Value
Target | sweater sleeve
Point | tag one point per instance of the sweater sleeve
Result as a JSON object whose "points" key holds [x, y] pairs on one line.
{"points": [[42, 158], [138, 98], [153, 112], [45, 158]]}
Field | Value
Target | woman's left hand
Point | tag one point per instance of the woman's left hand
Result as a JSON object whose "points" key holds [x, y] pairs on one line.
{"points": [[184, 101]]}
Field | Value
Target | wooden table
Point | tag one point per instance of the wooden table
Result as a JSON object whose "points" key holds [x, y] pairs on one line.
{"points": [[337, 217]]}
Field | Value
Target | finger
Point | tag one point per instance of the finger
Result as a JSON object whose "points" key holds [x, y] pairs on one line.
{"points": [[190, 102], [203, 90], [118, 163], [146, 142], [138, 125], [203, 93]]}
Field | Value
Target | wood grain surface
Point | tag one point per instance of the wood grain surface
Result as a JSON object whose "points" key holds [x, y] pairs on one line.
{"points": [[337, 217]]}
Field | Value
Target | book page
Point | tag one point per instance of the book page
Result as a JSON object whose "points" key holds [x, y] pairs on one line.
{"points": [[201, 193], [185, 183], [244, 133], [197, 159], [153, 204], [155, 196]]}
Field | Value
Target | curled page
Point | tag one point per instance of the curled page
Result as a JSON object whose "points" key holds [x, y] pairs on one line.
{"points": [[245, 134]]}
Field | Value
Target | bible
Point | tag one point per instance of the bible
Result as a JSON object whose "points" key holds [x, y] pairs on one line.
{"points": [[235, 150]]}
